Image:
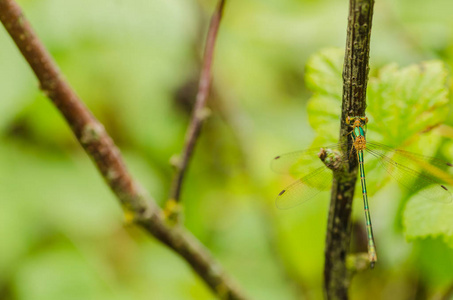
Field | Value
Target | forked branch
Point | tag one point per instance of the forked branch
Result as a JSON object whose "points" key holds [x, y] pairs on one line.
{"points": [[107, 158]]}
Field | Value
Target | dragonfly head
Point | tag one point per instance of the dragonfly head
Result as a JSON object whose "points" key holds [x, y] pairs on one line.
{"points": [[356, 121]]}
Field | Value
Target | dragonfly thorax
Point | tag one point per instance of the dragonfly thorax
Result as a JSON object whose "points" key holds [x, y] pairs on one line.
{"points": [[360, 143]]}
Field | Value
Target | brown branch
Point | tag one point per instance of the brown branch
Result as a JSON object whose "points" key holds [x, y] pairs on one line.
{"points": [[199, 111], [355, 76], [107, 158]]}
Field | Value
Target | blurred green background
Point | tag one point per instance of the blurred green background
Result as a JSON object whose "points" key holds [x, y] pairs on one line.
{"points": [[136, 64]]}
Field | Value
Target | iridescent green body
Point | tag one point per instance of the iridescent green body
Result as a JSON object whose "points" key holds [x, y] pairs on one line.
{"points": [[359, 143]]}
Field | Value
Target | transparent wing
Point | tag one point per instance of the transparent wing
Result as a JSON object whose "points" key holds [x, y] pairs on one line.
{"points": [[402, 166], [299, 162], [305, 188]]}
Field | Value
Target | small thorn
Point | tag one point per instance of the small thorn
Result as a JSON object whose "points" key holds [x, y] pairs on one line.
{"points": [[449, 164], [444, 187], [277, 157], [282, 192]]}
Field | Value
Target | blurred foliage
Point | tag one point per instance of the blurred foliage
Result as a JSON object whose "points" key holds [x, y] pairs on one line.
{"points": [[135, 65]]}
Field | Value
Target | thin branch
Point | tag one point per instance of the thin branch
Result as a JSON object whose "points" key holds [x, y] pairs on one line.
{"points": [[107, 158], [355, 75], [199, 111]]}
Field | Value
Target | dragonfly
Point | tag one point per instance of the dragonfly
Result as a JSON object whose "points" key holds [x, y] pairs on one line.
{"points": [[398, 163]]}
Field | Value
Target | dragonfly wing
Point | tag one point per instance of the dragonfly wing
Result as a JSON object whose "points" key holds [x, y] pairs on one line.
{"points": [[305, 188], [299, 162], [407, 156], [400, 165]]}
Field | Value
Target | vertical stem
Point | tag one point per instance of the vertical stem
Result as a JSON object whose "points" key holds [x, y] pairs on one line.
{"points": [[355, 75], [198, 114]]}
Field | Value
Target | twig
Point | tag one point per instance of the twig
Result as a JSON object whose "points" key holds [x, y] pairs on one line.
{"points": [[107, 158], [355, 75], [199, 111]]}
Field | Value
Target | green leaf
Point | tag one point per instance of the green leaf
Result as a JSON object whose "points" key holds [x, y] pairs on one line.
{"points": [[404, 101], [422, 219], [323, 72], [323, 78], [407, 101]]}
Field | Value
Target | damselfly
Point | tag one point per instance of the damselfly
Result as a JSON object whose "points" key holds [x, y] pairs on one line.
{"points": [[431, 183]]}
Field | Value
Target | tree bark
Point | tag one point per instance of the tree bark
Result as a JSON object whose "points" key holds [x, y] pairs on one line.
{"points": [[355, 76]]}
